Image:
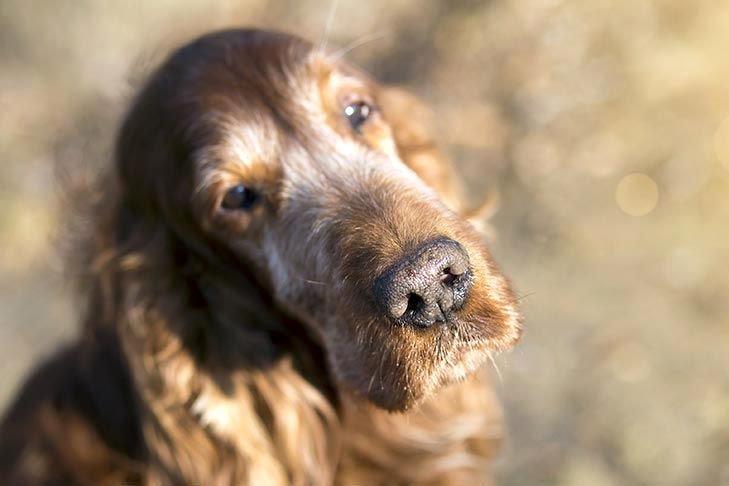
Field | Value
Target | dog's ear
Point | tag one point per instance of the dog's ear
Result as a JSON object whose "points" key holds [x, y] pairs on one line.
{"points": [[413, 127]]}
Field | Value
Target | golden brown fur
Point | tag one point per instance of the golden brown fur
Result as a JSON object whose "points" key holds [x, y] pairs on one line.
{"points": [[244, 346]]}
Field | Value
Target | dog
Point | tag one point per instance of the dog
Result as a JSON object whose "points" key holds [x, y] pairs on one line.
{"points": [[281, 288]]}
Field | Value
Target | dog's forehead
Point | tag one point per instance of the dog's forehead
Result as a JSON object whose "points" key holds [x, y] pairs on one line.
{"points": [[291, 109], [260, 122], [262, 98]]}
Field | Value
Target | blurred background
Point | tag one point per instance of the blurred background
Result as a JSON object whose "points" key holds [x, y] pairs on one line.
{"points": [[603, 125]]}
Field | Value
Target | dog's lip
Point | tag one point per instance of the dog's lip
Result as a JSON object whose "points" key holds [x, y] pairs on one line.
{"points": [[488, 343], [458, 343], [496, 343], [479, 344]]}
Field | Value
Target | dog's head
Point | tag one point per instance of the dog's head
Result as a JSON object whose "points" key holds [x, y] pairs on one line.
{"points": [[322, 187]]}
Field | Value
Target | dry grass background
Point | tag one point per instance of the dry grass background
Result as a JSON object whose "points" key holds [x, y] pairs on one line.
{"points": [[621, 377]]}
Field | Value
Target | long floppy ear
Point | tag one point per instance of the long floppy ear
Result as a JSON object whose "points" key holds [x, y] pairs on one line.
{"points": [[413, 127]]}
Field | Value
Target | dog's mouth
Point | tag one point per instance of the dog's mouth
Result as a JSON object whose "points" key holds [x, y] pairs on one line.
{"points": [[397, 363]]}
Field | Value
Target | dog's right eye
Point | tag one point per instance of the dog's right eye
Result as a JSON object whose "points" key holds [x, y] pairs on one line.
{"points": [[239, 197], [357, 114]]}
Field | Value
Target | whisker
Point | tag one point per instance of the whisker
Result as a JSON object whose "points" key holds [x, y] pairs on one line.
{"points": [[337, 55], [522, 297], [372, 382], [496, 367], [379, 370], [328, 26], [314, 282]]}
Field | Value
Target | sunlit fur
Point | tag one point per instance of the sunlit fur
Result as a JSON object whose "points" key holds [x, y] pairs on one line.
{"points": [[244, 346]]}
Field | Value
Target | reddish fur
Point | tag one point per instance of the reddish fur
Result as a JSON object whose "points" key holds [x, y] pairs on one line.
{"points": [[241, 347]]}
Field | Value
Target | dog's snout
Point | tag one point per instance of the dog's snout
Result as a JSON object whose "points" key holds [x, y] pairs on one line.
{"points": [[423, 288]]}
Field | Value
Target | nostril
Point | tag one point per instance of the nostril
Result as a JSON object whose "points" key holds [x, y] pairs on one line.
{"points": [[415, 303], [447, 277]]}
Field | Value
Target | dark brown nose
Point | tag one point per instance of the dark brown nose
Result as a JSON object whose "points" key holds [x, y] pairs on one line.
{"points": [[426, 286]]}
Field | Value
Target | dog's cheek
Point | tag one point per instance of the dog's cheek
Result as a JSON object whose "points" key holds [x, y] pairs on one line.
{"points": [[491, 313], [293, 291], [372, 372], [492, 310], [485, 320]]}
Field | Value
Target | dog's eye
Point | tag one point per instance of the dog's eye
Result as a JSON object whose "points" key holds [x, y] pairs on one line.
{"points": [[239, 197], [357, 113]]}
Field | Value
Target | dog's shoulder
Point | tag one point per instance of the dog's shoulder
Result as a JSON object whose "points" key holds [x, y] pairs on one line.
{"points": [[76, 412]]}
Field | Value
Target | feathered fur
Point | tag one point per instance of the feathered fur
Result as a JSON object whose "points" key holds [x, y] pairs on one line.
{"points": [[243, 347]]}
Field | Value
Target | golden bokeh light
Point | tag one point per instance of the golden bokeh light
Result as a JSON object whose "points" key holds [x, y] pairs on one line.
{"points": [[721, 143], [637, 194]]}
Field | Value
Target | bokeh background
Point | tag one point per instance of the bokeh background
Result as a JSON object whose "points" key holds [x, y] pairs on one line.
{"points": [[603, 126]]}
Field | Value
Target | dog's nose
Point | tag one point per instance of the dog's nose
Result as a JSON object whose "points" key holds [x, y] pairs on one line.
{"points": [[426, 286]]}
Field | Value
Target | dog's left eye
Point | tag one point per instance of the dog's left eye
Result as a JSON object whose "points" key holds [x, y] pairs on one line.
{"points": [[357, 113], [240, 197]]}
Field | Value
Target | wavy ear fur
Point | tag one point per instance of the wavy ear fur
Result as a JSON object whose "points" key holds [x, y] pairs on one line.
{"points": [[220, 395]]}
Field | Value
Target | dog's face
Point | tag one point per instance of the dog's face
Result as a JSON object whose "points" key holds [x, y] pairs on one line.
{"points": [[288, 159]]}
